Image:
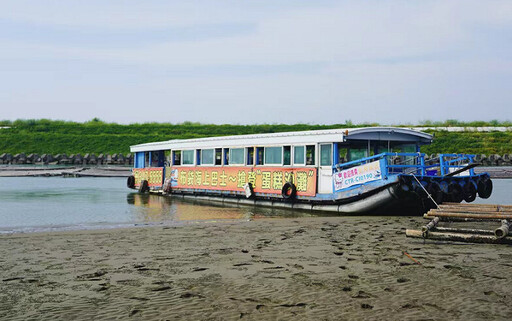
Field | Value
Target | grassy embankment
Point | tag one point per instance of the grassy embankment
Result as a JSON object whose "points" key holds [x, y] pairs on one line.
{"points": [[53, 137]]}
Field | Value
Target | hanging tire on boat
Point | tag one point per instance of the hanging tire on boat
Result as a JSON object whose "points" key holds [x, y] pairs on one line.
{"points": [[455, 192], [405, 185], [419, 188], [130, 182], [485, 187], [435, 192], [249, 192], [470, 190], [144, 186], [289, 191], [167, 186]]}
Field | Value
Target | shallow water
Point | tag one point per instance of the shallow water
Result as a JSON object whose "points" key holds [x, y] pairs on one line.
{"points": [[29, 204]]}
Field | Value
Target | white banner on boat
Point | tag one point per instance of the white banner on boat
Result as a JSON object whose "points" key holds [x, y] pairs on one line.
{"points": [[357, 175]]}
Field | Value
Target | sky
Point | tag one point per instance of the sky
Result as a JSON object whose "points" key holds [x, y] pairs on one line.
{"points": [[246, 62]]}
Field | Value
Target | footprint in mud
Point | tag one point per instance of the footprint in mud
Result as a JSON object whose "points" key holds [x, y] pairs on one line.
{"points": [[361, 295], [338, 253], [366, 306], [409, 306], [266, 261], [161, 288], [134, 312], [198, 269], [293, 305], [92, 276], [297, 266], [261, 307], [188, 295]]}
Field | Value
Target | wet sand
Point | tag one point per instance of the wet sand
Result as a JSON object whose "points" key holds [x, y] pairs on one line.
{"points": [[316, 268]]}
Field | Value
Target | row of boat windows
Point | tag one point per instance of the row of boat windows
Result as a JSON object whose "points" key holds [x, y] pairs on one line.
{"points": [[276, 155], [299, 155]]}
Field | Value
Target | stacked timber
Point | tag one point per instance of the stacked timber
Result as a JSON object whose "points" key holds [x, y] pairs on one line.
{"points": [[454, 212]]}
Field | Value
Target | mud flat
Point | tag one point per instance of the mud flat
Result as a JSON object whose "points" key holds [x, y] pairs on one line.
{"points": [[99, 171], [319, 268]]}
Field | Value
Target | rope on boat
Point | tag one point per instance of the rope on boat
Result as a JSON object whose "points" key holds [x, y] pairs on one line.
{"points": [[428, 194]]}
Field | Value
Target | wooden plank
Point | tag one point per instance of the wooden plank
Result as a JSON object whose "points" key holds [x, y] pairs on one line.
{"points": [[469, 211], [471, 205], [471, 215], [459, 237], [460, 219], [464, 230]]}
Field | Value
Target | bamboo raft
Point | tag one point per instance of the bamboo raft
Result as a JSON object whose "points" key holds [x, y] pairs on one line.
{"points": [[455, 212]]}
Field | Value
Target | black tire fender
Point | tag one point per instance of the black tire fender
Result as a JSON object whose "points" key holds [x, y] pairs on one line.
{"points": [[435, 192], [470, 190], [455, 192], [485, 187], [130, 182], [144, 186], [289, 191]]}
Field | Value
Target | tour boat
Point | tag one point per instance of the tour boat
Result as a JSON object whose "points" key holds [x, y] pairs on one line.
{"points": [[374, 170]]}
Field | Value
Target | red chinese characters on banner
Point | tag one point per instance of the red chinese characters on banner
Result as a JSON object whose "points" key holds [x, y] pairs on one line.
{"points": [[264, 179]]}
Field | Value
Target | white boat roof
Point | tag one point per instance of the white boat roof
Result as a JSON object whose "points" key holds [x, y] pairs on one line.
{"points": [[292, 138]]}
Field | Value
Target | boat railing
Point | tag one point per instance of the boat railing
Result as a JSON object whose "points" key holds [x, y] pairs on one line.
{"points": [[413, 163]]}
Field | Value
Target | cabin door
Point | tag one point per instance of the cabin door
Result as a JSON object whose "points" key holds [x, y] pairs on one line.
{"points": [[325, 185]]}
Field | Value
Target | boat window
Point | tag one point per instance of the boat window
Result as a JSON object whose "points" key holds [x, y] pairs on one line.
{"points": [[157, 158], [310, 155], [236, 156], [287, 151], [358, 153], [404, 148], [273, 155], [207, 157], [382, 147], [188, 157], [218, 156], [342, 155], [146, 162], [250, 156], [325, 154], [298, 155], [260, 153], [176, 157], [226, 156]]}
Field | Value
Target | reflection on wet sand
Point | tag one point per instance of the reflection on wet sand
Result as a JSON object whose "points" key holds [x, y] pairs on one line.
{"points": [[155, 208]]}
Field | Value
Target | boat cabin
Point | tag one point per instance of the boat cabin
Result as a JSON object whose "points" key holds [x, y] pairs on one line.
{"points": [[307, 159]]}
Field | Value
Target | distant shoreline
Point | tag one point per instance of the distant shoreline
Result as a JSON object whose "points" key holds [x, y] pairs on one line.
{"points": [[125, 171], [66, 171]]}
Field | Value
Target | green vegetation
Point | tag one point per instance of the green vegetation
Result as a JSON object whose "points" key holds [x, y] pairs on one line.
{"points": [[95, 136]]}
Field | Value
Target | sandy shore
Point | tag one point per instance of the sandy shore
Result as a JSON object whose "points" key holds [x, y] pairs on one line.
{"points": [[320, 268]]}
